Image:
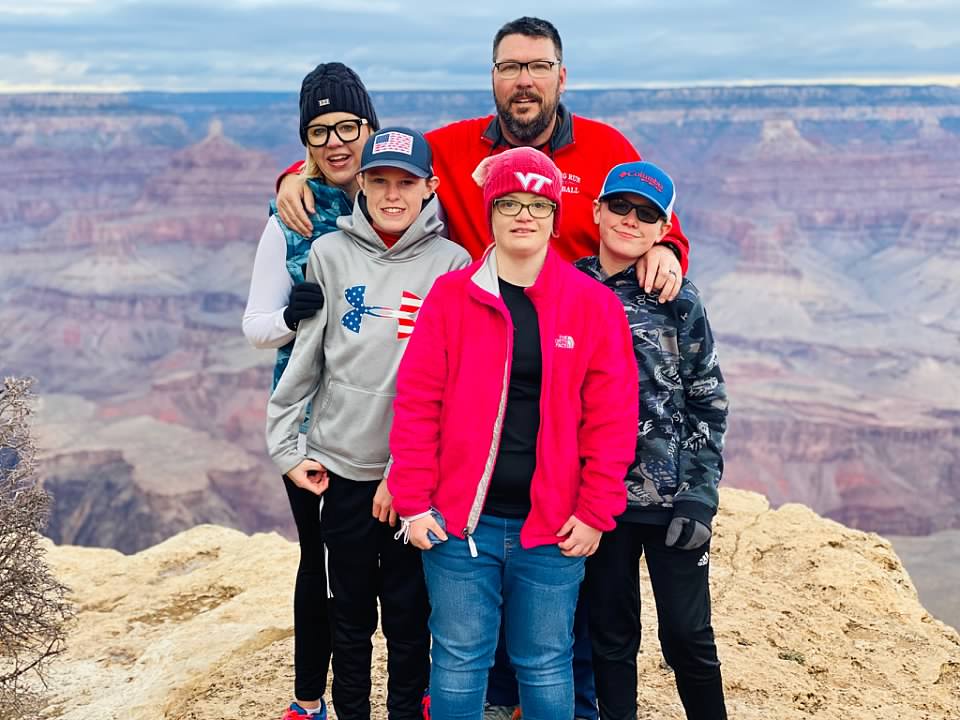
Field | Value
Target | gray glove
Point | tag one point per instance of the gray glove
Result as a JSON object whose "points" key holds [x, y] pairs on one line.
{"points": [[686, 533]]}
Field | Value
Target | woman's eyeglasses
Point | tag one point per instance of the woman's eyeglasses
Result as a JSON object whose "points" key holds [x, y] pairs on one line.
{"points": [[347, 130]]}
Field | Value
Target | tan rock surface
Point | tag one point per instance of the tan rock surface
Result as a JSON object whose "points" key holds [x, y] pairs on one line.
{"points": [[813, 620]]}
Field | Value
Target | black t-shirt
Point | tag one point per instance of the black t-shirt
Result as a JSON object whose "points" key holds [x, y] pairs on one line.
{"points": [[509, 493]]}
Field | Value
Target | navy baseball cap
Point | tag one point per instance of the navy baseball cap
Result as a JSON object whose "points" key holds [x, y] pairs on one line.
{"points": [[398, 147], [642, 178]]}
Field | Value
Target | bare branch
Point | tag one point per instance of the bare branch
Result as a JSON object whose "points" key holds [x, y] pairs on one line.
{"points": [[34, 606]]}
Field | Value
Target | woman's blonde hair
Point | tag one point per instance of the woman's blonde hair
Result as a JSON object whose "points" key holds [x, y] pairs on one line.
{"points": [[311, 169]]}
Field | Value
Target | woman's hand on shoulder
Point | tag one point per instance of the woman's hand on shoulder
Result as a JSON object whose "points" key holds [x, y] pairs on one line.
{"points": [[580, 540], [295, 204]]}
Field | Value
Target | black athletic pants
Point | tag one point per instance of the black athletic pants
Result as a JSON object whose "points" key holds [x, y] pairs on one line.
{"points": [[680, 581], [311, 621], [365, 563]]}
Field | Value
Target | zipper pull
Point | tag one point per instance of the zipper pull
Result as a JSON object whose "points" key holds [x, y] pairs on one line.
{"points": [[470, 543]]}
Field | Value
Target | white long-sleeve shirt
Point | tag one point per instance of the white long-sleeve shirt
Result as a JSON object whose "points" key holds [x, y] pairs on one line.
{"points": [[270, 288]]}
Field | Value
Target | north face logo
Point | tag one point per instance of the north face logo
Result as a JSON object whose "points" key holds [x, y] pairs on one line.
{"points": [[532, 182], [564, 342]]}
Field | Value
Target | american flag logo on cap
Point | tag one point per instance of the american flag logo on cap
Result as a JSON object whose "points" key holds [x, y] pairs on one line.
{"points": [[393, 142]]}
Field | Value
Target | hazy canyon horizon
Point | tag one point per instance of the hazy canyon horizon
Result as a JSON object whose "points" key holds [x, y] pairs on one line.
{"points": [[825, 232]]}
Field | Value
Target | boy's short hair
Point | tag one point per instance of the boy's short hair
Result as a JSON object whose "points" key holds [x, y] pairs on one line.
{"points": [[642, 178], [398, 147]]}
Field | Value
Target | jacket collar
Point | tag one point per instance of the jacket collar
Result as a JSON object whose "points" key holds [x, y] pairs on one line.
{"points": [[562, 133], [485, 278], [592, 267]]}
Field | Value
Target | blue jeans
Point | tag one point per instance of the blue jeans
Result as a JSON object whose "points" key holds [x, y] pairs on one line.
{"points": [[502, 685], [533, 592]]}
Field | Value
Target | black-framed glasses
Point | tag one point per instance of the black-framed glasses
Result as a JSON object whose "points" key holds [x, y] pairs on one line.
{"points": [[347, 130], [538, 209], [645, 213], [511, 69]]}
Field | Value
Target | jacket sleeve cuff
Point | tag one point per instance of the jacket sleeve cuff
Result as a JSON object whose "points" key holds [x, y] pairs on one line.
{"points": [[604, 523], [287, 461], [695, 511], [674, 248]]}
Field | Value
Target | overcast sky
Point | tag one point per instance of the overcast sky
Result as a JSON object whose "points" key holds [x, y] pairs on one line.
{"points": [[443, 44]]}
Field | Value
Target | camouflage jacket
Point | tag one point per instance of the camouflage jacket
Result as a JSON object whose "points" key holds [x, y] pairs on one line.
{"points": [[683, 402]]}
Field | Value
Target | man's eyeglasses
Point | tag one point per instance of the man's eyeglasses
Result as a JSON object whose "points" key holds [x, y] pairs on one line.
{"points": [[645, 213], [347, 130], [538, 209], [510, 69]]}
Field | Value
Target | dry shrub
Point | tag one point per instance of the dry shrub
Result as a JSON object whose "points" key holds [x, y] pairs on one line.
{"points": [[34, 609]]}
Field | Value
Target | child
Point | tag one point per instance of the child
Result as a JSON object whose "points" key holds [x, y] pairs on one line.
{"points": [[672, 484], [336, 117], [373, 273], [516, 417]]}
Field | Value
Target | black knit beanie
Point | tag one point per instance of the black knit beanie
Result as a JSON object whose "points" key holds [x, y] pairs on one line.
{"points": [[333, 87]]}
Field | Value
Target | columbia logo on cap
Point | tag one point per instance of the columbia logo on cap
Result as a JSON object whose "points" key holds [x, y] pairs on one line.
{"points": [[643, 178]]}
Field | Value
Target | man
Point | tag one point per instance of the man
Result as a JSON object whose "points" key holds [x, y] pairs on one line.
{"points": [[528, 79]]}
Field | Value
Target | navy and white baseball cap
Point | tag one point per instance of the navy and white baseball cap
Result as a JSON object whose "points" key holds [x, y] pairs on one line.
{"points": [[398, 147], [642, 178]]}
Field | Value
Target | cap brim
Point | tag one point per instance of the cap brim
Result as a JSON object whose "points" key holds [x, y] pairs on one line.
{"points": [[409, 167]]}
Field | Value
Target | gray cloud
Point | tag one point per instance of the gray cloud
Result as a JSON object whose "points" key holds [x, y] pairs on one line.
{"points": [[251, 44]]}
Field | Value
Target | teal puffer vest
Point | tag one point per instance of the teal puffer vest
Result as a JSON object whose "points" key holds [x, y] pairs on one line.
{"points": [[331, 203]]}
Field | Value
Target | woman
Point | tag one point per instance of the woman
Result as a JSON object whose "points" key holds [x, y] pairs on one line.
{"points": [[336, 118], [515, 422]]}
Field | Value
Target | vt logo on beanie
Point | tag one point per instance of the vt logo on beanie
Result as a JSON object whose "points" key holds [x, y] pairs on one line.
{"points": [[531, 178]]}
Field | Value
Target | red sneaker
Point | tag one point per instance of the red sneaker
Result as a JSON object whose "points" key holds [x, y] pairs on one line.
{"points": [[295, 712]]}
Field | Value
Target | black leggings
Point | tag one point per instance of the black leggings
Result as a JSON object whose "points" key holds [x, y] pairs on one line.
{"points": [[311, 618]]}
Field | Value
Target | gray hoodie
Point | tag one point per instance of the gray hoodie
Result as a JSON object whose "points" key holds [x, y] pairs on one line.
{"points": [[345, 358]]}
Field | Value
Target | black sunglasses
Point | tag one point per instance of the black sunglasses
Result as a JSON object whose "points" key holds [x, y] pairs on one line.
{"points": [[645, 213]]}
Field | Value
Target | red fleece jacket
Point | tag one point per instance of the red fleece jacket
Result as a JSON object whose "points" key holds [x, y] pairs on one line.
{"points": [[451, 397]]}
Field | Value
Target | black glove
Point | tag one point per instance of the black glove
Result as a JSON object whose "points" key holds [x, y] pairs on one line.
{"points": [[686, 533], [305, 299]]}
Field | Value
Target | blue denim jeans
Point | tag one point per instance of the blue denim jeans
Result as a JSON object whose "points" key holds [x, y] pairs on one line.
{"points": [[532, 592], [502, 685]]}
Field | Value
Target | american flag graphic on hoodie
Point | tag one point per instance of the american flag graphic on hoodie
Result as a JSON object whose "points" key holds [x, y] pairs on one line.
{"points": [[409, 307], [405, 315]]}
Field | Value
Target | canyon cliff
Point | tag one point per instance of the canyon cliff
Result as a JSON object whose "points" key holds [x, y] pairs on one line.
{"points": [[813, 620]]}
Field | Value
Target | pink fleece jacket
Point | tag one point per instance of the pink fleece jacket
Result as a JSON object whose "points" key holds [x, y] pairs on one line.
{"points": [[452, 394]]}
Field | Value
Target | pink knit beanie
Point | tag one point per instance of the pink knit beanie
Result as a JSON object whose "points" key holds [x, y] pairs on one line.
{"points": [[522, 169]]}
